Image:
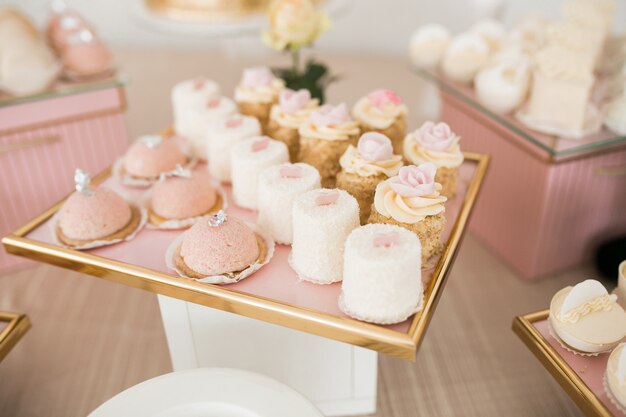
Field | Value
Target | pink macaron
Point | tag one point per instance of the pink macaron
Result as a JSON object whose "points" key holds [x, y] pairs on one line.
{"points": [[181, 197]]}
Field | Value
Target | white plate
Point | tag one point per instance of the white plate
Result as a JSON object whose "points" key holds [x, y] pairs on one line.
{"points": [[208, 392]]}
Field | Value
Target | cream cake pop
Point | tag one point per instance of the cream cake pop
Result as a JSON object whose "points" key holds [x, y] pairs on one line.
{"points": [[248, 159], [279, 186], [92, 214], [322, 220], [615, 376], [219, 244], [465, 56], [222, 136], [257, 91], [587, 319], [382, 274], [428, 45], [152, 155], [182, 194]]}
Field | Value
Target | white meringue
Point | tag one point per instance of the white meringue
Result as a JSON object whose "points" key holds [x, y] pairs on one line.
{"points": [[428, 44], [465, 56]]}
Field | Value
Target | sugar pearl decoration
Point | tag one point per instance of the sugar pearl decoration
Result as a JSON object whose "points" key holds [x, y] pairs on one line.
{"points": [[279, 186], [320, 229]]}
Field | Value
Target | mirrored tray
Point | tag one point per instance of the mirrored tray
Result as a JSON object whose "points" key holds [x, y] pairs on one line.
{"points": [[12, 327]]}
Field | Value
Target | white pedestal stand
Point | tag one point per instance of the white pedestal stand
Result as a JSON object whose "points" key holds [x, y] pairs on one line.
{"points": [[340, 379]]}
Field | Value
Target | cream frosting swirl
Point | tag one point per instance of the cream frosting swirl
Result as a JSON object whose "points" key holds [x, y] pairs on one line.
{"points": [[353, 163], [410, 196], [434, 143], [258, 85], [330, 123], [602, 303], [293, 108], [379, 109]]}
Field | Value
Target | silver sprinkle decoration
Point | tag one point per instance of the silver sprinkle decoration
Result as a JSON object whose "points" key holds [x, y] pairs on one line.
{"points": [[218, 218], [82, 181], [152, 141], [179, 171]]}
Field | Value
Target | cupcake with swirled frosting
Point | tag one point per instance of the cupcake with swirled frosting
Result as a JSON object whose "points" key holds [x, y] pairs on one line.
{"points": [[365, 166], [257, 92], [382, 111], [325, 137], [413, 200], [437, 144], [286, 117]]}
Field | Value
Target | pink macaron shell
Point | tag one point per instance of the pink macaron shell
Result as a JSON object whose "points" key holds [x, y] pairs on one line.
{"points": [[145, 162], [181, 198], [214, 250], [91, 217], [86, 58]]}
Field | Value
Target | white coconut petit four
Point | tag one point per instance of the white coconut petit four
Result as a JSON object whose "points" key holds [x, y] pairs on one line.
{"points": [[188, 97], [586, 319], [615, 377], [382, 274], [222, 136], [213, 111], [428, 44], [322, 220], [248, 159], [465, 56], [279, 186]]}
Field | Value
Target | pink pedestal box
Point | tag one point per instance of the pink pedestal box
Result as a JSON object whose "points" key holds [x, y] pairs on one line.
{"points": [[541, 211], [43, 139]]}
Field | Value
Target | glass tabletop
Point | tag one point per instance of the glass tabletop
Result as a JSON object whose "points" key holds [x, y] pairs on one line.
{"points": [[65, 88], [555, 146]]}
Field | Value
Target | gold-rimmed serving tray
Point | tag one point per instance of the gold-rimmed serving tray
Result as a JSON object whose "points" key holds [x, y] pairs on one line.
{"points": [[273, 294], [12, 327], [580, 376]]}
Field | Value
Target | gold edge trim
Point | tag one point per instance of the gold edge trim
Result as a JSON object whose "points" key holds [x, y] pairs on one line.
{"points": [[422, 319], [556, 365], [18, 325]]}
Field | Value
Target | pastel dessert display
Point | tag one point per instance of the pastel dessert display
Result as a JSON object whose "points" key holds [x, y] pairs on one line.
{"points": [[181, 197], [413, 200], [502, 85], [92, 217], [382, 274], [428, 45], [615, 377], [465, 56], [222, 136], [322, 220], [365, 166], [219, 249], [279, 186], [292, 111], [382, 111], [586, 319], [151, 155], [248, 159], [560, 91], [615, 114], [436, 143], [257, 92], [189, 99], [325, 137], [27, 64]]}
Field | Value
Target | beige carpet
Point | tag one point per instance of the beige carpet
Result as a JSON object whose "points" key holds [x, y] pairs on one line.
{"points": [[92, 338]]}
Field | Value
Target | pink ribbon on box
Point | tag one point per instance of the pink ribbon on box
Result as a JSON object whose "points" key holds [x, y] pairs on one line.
{"points": [[386, 240], [326, 198], [260, 144], [290, 171]]}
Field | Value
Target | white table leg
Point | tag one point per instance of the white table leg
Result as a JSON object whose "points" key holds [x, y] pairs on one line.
{"points": [[339, 378]]}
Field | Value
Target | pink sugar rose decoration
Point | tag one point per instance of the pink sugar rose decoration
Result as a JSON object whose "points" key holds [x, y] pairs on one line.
{"points": [[291, 101], [260, 144], [386, 240], [234, 122], [375, 146], [212, 103], [415, 181], [257, 77], [436, 137], [382, 97], [326, 198], [290, 171], [329, 115]]}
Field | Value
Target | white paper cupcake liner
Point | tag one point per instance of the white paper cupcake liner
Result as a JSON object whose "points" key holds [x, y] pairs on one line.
{"points": [[398, 318], [567, 347], [592, 124], [610, 395], [304, 277], [175, 224], [170, 260], [99, 243], [129, 180]]}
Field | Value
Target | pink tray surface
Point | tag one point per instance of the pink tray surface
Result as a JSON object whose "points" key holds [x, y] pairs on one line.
{"points": [[276, 281], [590, 369]]}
